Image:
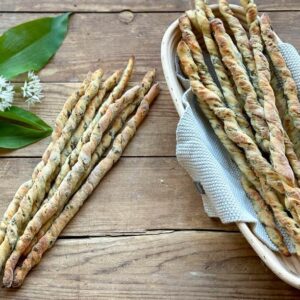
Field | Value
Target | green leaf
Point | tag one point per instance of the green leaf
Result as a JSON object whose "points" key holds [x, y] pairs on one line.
{"points": [[29, 46], [19, 128]]}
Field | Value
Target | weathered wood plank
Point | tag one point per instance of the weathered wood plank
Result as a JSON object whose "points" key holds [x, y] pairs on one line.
{"points": [[138, 194], [155, 137], [133, 5], [102, 39], [178, 265]]}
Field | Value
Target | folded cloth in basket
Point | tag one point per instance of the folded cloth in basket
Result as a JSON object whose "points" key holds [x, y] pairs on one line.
{"points": [[206, 160]]}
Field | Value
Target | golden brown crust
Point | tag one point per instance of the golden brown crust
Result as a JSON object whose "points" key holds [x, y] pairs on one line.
{"points": [[37, 192], [265, 216], [289, 85], [68, 185], [93, 180], [239, 74], [254, 156]]}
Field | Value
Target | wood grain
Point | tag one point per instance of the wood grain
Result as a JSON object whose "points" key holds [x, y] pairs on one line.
{"points": [[156, 136], [139, 194], [132, 5], [163, 265], [99, 39]]}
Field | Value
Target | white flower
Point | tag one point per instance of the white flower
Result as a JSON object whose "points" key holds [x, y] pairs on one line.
{"points": [[6, 94], [32, 89]]}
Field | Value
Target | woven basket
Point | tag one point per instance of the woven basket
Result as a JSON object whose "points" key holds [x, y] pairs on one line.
{"points": [[286, 268]]}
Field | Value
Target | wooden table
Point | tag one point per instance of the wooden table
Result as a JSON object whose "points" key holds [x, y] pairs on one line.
{"points": [[143, 234]]}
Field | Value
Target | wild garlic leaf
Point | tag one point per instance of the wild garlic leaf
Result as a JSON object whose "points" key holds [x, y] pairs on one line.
{"points": [[19, 128], [29, 46]]}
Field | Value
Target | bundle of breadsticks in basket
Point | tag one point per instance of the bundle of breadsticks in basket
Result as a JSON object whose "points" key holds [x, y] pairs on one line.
{"points": [[91, 132], [249, 97]]}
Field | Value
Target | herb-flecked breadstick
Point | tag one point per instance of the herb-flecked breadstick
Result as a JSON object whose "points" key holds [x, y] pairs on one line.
{"points": [[238, 156], [60, 122], [119, 144], [264, 215], [192, 17], [205, 13], [242, 41], [105, 87], [105, 143], [225, 81], [66, 164], [252, 106], [66, 189], [115, 94], [282, 152], [259, 164], [291, 130], [13, 207], [277, 144], [289, 85], [37, 192], [190, 39]]}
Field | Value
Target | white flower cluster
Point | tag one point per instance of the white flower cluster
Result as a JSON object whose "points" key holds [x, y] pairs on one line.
{"points": [[6, 94], [31, 91]]}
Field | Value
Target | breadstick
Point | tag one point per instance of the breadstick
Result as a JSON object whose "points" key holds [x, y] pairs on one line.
{"points": [[119, 144], [13, 207], [256, 160], [105, 143], [265, 215], [254, 156], [253, 108], [277, 136], [192, 17], [106, 86], [289, 85], [66, 189], [37, 192], [59, 124], [242, 41], [233, 131], [115, 94], [66, 165], [225, 82]]}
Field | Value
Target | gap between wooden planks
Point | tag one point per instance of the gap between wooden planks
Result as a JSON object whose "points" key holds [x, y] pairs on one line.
{"points": [[98, 40], [166, 265], [137, 195]]}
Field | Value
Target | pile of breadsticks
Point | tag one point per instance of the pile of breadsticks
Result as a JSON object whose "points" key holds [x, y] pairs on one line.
{"points": [[91, 132], [255, 114]]}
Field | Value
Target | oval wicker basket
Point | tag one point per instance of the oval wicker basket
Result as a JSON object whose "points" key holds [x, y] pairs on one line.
{"points": [[286, 268]]}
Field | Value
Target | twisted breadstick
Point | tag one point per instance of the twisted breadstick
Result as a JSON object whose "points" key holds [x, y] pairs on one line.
{"points": [[225, 82], [242, 41], [66, 189], [277, 144], [253, 108], [119, 144], [292, 132], [13, 207], [106, 86], [192, 17], [59, 124], [264, 215], [66, 163], [233, 131], [115, 94], [289, 85], [37, 192], [105, 143]]}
